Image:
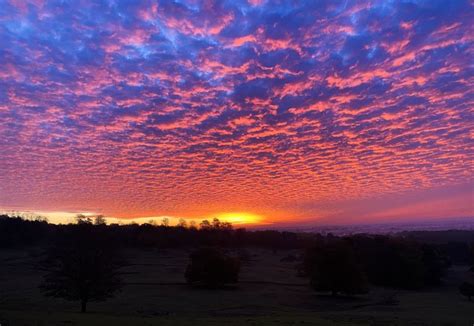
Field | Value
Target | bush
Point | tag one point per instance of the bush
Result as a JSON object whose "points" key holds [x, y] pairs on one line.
{"points": [[332, 266], [471, 257], [211, 268], [400, 263]]}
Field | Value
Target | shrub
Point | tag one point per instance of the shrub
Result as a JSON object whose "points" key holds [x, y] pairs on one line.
{"points": [[211, 268], [400, 263], [332, 266]]}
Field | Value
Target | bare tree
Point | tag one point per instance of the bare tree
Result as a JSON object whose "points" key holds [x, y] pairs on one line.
{"points": [[165, 221], [100, 220]]}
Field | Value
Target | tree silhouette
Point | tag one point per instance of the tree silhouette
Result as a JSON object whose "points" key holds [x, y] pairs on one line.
{"points": [[211, 268], [182, 223], [219, 225], [100, 220], [192, 225], [165, 221], [82, 267], [332, 266], [205, 225], [82, 219], [471, 258], [399, 262]]}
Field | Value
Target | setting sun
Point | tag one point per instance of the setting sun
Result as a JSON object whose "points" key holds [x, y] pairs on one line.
{"points": [[239, 217]]}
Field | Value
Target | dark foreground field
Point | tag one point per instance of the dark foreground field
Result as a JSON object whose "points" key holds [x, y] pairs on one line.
{"points": [[269, 293]]}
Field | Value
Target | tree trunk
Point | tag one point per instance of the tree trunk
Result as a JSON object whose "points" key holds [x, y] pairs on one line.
{"points": [[83, 305]]}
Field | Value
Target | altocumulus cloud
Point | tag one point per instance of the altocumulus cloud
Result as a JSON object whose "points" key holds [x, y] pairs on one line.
{"points": [[141, 108]]}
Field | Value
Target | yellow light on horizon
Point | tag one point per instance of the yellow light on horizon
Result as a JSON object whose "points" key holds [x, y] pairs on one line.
{"points": [[66, 217], [239, 217]]}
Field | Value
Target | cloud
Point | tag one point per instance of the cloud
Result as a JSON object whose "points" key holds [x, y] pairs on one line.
{"points": [[138, 108]]}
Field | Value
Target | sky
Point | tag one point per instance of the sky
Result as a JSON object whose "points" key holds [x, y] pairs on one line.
{"points": [[267, 112]]}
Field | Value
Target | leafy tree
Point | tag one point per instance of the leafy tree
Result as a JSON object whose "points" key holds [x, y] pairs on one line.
{"points": [[221, 225], [182, 223], [471, 250], [467, 289], [151, 222], [434, 265], [81, 267], [216, 224], [40, 218], [332, 267], [82, 219], [400, 263], [192, 225], [211, 268], [205, 225]]}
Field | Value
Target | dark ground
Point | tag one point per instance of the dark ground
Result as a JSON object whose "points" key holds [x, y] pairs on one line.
{"points": [[269, 293]]}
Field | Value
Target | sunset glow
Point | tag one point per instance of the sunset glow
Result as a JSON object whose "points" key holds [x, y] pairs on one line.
{"points": [[239, 218], [249, 111]]}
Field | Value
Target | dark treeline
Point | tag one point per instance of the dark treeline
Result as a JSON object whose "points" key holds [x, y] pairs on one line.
{"points": [[456, 246], [379, 260], [17, 231], [83, 259]]}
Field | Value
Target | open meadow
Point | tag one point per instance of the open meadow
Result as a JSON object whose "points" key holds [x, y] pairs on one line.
{"points": [[269, 292]]}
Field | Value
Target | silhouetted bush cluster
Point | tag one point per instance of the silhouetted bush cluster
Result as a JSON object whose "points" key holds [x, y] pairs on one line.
{"points": [[211, 268], [400, 263], [346, 264], [332, 266]]}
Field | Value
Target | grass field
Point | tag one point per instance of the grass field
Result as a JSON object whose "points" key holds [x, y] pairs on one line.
{"points": [[270, 293]]}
